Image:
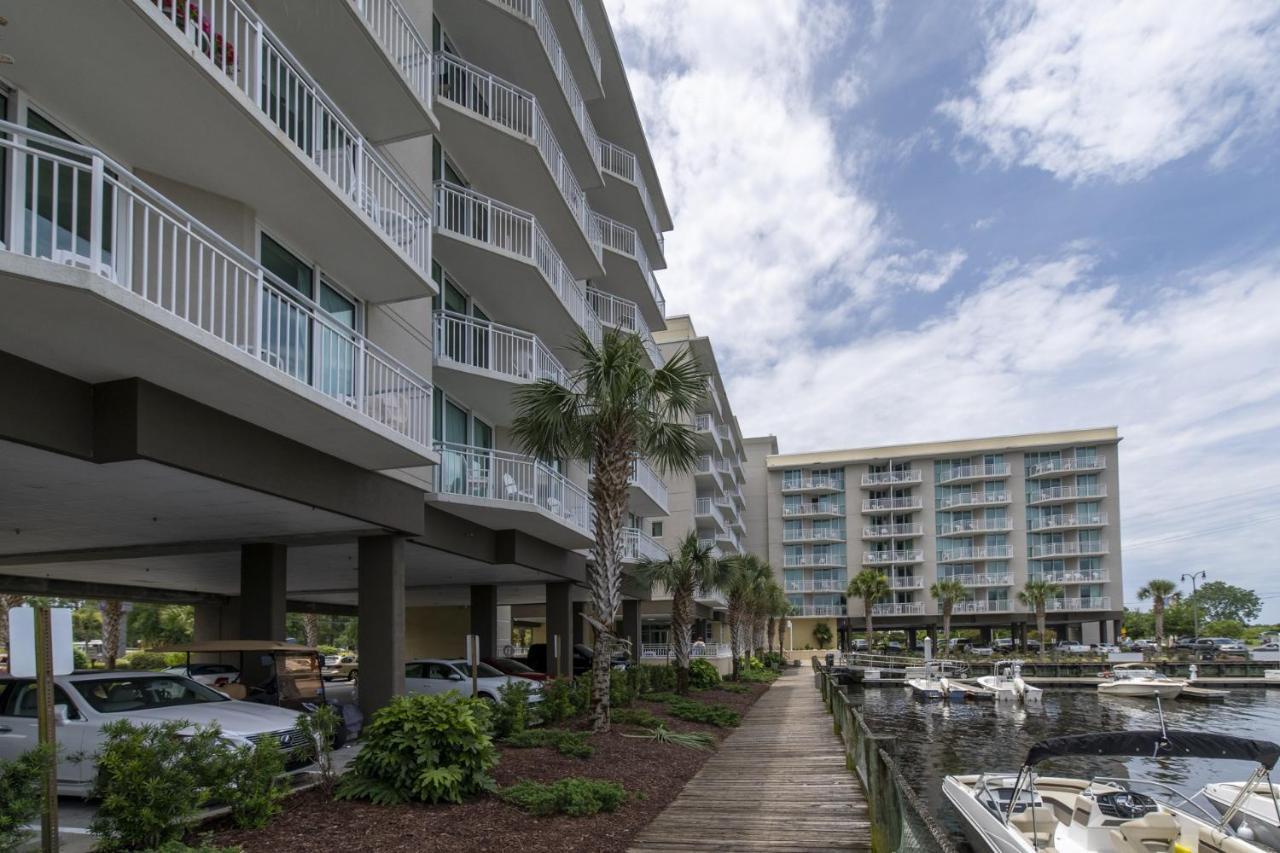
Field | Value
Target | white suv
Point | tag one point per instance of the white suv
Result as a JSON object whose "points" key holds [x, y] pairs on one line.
{"points": [[85, 702]]}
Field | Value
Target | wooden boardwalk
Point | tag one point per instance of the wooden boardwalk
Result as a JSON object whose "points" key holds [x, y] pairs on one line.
{"points": [[778, 782]]}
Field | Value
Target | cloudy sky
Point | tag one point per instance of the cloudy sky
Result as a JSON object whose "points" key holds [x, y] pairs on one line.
{"points": [[932, 220]]}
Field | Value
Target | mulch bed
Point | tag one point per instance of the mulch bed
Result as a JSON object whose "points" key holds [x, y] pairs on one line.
{"points": [[652, 773]]}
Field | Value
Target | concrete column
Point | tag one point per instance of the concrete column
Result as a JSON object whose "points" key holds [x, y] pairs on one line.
{"points": [[579, 624], [380, 587], [932, 633], [631, 625], [484, 617], [985, 633], [216, 622], [911, 639], [263, 591], [559, 624]]}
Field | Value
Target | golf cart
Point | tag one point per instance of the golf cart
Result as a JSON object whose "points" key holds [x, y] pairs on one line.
{"points": [[286, 675]]}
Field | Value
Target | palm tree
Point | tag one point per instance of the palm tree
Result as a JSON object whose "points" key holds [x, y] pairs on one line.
{"points": [[1159, 591], [947, 592], [311, 629], [686, 571], [112, 613], [869, 585], [1036, 593], [614, 409], [779, 607], [7, 602], [740, 577]]}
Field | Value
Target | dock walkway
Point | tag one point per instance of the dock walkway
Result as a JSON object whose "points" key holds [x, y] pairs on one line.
{"points": [[779, 782]]}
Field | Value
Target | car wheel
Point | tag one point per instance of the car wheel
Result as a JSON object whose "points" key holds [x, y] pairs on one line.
{"points": [[489, 700]]}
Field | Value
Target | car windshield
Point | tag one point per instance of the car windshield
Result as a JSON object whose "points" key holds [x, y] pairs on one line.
{"points": [[512, 667], [212, 669], [118, 695]]}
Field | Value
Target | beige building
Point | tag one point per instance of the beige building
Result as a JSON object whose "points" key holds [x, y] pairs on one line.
{"points": [[990, 513]]}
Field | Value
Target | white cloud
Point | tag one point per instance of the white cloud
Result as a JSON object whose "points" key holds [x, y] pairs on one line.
{"points": [[1115, 90], [848, 89]]}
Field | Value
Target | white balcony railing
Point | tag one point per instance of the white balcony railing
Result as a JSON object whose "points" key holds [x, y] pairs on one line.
{"points": [[1067, 464], [798, 561], [980, 605], [812, 509], [818, 482], [815, 585], [1097, 603], [393, 29], [906, 608], [644, 477], [502, 477], [711, 547], [505, 104], [588, 37], [982, 579], [888, 504], [1067, 549], [665, 651], [1061, 522], [495, 348], [813, 535], [622, 238], [881, 558], [1092, 576], [1069, 493], [888, 478], [974, 525], [245, 50], [471, 216], [638, 545], [706, 508], [619, 313], [536, 14], [905, 582], [706, 423], [977, 552], [972, 499], [973, 472], [621, 163], [818, 610], [113, 224], [882, 531]]}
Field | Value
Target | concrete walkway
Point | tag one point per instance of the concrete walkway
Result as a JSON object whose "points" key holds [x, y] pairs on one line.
{"points": [[779, 782]]}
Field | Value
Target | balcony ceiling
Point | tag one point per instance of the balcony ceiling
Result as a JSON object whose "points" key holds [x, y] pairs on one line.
{"points": [[575, 48], [624, 277], [506, 515], [621, 200]]}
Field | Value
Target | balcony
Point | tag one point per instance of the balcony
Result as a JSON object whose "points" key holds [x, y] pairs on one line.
{"points": [[625, 196], [818, 610], [982, 606], [906, 608], [383, 73], [711, 400], [664, 651], [628, 270], [891, 504], [884, 558], [637, 547], [972, 499], [799, 561], [1066, 465], [1067, 549], [580, 48], [705, 510], [618, 313], [268, 135], [978, 552], [1095, 576], [516, 39], [507, 491], [489, 359], [706, 472], [890, 478], [813, 535], [647, 495], [505, 259], [117, 281], [705, 426], [822, 509], [498, 132], [815, 586], [1068, 521], [905, 582], [1059, 604], [974, 525], [817, 484], [892, 531], [731, 541], [1059, 494], [738, 498], [978, 579], [963, 473], [711, 547]]}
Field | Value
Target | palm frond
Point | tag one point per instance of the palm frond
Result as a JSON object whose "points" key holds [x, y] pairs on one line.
{"points": [[692, 740]]}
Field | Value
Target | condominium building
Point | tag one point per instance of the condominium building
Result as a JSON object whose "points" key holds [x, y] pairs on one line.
{"points": [[990, 513], [272, 280]]}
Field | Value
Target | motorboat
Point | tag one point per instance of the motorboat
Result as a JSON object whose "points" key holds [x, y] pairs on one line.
{"points": [[1023, 812], [1008, 685], [929, 684], [1258, 813], [1141, 681]]}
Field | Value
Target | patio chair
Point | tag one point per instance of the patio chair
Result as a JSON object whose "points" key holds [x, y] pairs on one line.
{"points": [[513, 490]]}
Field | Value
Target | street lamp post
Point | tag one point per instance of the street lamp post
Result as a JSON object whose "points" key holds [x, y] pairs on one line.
{"points": [[1195, 605]]}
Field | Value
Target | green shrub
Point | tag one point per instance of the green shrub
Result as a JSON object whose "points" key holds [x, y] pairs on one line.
{"points": [[20, 795], [661, 679], [565, 742], [328, 650], [427, 748], [573, 796], [181, 847], [697, 712], [703, 674], [320, 728], [557, 703], [150, 661], [511, 713], [620, 693], [659, 697], [731, 687], [772, 660], [635, 717], [253, 785], [757, 676], [79, 659]]}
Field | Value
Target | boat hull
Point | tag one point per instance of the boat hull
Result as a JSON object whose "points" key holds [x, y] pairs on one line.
{"points": [[1140, 690], [983, 829], [1258, 813]]}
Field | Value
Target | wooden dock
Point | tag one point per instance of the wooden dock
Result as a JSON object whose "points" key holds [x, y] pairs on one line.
{"points": [[779, 782]]}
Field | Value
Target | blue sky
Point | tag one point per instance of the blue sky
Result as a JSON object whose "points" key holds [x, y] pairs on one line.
{"points": [[929, 220]]}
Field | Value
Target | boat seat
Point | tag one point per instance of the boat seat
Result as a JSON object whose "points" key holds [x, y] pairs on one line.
{"points": [[1037, 823], [1154, 833]]}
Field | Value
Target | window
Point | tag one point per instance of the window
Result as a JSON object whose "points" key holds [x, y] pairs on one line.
{"points": [[20, 700], [56, 199], [655, 529]]}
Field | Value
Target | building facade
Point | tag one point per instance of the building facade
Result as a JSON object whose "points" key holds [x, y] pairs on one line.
{"points": [[990, 513]]}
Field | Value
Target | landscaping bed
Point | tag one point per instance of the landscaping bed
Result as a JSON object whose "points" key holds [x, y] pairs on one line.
{"points": [[652, 774]]}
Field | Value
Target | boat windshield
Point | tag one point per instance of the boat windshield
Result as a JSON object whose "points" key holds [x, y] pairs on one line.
{"points": [[1147, 674]]}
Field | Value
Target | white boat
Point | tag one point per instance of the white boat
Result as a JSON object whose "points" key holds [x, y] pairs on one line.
{"points": [[925, 683], [1139, 680], [1022, 812], [1259, 812], [1008, 685]]}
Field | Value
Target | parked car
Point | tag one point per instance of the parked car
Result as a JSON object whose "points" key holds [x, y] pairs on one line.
{"points": [[1267, 647], [1186, 644], [440, 676], [1144, 645], [1106, 648], [346, 667], [85, 702], [1067, 648], [511, 666], [859, 645], [1219, 646], [538, 659], [211, 674]]}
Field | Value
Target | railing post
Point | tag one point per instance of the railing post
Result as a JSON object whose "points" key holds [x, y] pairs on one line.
{"points": [[260, 299], [259, 78], [360, 377], [95, 214], [359, 187]]}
